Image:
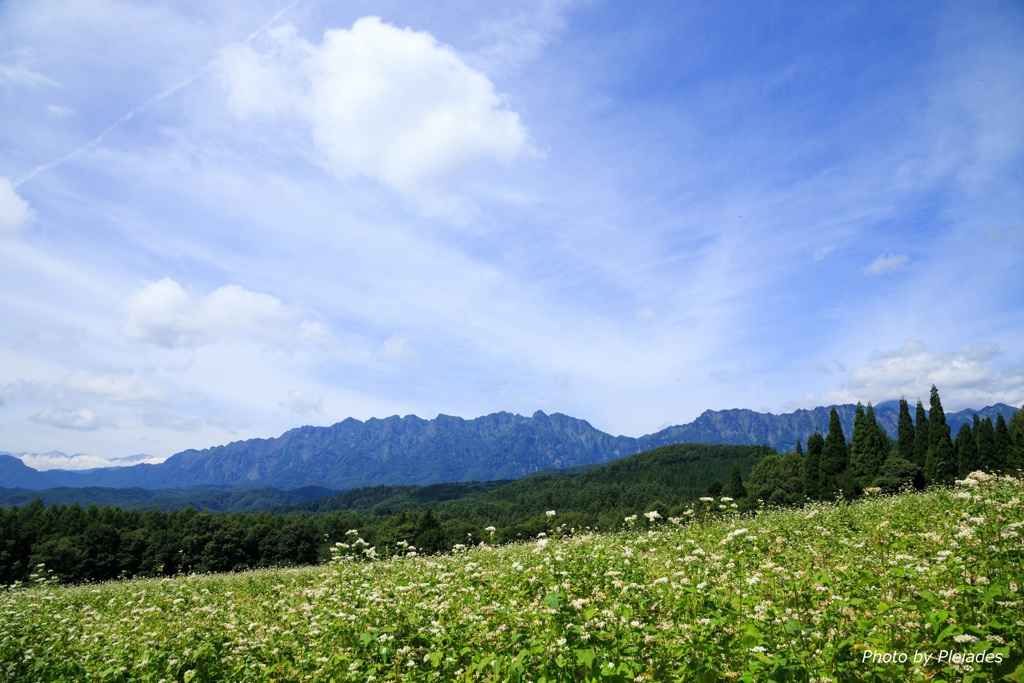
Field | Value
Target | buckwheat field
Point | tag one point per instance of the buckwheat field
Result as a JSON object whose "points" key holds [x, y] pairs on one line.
{"points": [[926, 586]]}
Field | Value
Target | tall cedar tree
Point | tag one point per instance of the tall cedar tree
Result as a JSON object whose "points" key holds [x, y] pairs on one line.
{"points": [[799, 448], [1004, 443], [920, 436], [905, 433], [735, 488], [859, 447], [985, 438], [812, 466], [835, 460], [966, 450], [880, 443], [869, 447], [1016, 428], [940, 464]]}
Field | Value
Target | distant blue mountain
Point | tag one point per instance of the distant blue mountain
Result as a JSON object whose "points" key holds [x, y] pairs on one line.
{"points": [[411, 450]]}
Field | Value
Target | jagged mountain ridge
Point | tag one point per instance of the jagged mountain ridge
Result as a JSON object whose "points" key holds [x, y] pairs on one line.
{"points": [[412, 450]]}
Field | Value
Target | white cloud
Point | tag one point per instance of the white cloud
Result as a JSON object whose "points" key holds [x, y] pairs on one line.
{"points": [[965, 377], [304, 403], [83, 387], [268, 83], [55, 460], [59, 111], [397, 348], [164, 314], [21, 75], [822, 253], [518, 37], [14, 211], [380, 102], [71, 418], [886, 263], [129, 390]]}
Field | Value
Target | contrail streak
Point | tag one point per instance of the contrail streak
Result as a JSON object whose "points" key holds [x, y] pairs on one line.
{"points": [[148, 103]]}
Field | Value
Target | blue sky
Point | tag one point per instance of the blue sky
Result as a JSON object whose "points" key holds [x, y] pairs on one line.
{"points": [[219, 221]]}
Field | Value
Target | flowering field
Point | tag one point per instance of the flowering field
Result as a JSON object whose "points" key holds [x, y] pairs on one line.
{"points": [[907, 588]]}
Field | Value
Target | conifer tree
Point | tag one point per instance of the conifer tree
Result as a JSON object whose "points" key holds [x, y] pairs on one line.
{"points": [[940, 465], [869, 447], [1004, 443], [812, 466], [735, 488], [905, 433], [966, 450], [985, 438], [859, 446], [920, 436], [799, 448], [1016, 427], [835, 460], [880, 445]]}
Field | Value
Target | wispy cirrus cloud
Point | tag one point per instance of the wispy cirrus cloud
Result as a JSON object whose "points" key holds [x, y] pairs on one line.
{"points": [[886, 264]]}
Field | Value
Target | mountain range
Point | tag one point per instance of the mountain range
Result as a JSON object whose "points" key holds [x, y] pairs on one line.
{"points": [[412, 450]]}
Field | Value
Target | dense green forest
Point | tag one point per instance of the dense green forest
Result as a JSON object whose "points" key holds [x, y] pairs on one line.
{"points": [[212, 498], [98, 543], [76, 543], [923, 454]]}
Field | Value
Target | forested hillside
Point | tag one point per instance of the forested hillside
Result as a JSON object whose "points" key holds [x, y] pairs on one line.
{"points": [[96, 543]]}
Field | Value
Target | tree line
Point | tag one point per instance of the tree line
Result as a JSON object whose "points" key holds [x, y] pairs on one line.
{"points": [[95, 543], [78, 544], [924, 453]]}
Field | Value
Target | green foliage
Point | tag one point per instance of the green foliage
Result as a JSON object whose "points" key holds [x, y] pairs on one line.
{"points": [[869, 448], [985, 437], [212, 498], [1004, 444], [1016, 428], [778, 480], [812, 467], [905, 432], [896, 474], [835, 460], [940, 462], [822, 593], [96, 544], [735, 488], [966, 450], [920, 436]]}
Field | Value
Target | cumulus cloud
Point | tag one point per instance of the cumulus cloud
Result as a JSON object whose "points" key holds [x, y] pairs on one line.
{"points": [[164, 314], [304, 403], [886, 263], [14, 211], [965, 377], [380, 102]]}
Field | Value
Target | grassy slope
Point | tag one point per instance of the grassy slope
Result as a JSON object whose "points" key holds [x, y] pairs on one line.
{"points": [[799, 593]]}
